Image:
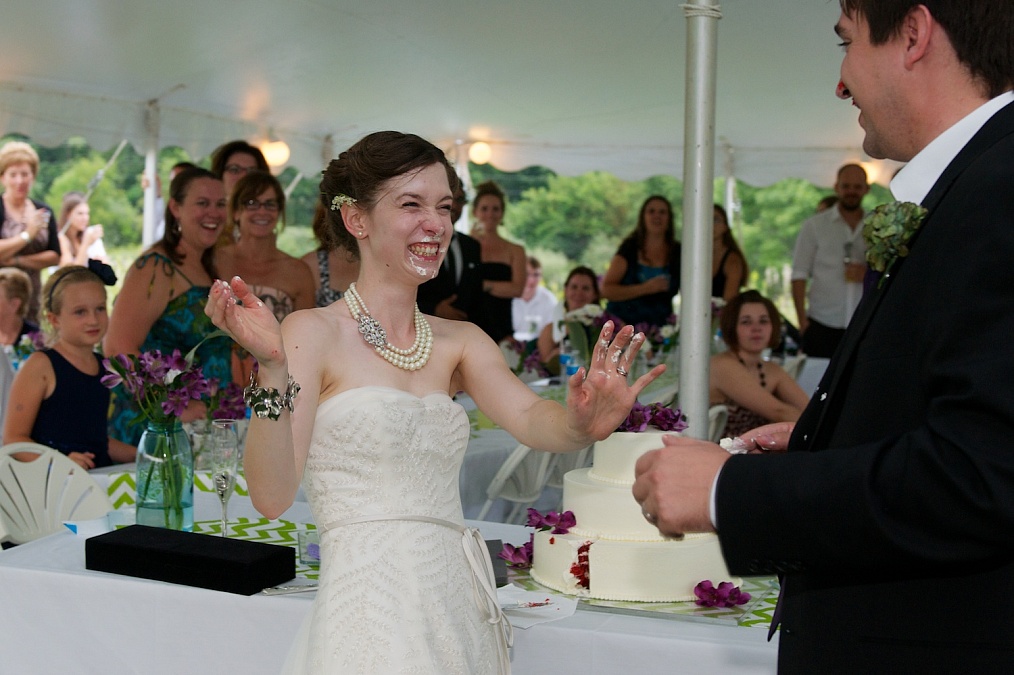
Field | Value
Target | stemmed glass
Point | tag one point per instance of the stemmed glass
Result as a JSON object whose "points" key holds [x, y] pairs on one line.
{"points": [[224, 463]]}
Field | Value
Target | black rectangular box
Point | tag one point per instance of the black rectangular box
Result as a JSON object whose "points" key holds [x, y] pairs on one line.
{"points": [[499, 564], [205, 561]]}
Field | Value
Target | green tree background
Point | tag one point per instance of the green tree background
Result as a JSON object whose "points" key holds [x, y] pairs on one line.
{"points": [[562, 220]]}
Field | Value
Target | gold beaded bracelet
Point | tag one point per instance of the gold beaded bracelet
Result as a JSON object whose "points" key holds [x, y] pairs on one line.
{"points": [[267, 402]]}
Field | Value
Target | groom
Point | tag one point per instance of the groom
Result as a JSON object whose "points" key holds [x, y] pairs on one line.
{"points": [[892, 513]]}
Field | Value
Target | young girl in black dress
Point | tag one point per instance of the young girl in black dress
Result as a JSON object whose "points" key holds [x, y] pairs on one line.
{"points": [[57, 398]]}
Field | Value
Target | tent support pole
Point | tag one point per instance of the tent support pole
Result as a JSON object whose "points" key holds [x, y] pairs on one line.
{"points": [[292, 186], [152, 122], [464, 173], [698, 200]]}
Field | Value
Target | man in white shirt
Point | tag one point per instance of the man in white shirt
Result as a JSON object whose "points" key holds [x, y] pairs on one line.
{"points": [[534, 309], [830, 254], [892, 493]]}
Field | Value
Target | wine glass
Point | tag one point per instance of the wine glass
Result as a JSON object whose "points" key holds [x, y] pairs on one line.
{"points": [[224, 449]]}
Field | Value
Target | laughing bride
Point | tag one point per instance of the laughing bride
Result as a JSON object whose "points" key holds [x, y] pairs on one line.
{"points": [[354, 400]]}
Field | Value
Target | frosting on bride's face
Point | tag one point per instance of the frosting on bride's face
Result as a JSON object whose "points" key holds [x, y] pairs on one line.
{"points": [[411, 221]]}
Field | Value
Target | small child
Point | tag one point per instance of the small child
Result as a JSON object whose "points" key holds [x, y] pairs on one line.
{"points": [[57, 398]]}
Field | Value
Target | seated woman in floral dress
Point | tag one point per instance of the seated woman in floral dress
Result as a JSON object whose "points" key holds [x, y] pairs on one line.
{"points": [[756, 391]]}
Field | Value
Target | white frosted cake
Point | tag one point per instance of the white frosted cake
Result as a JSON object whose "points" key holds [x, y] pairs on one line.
{"points": [[613, 553]]}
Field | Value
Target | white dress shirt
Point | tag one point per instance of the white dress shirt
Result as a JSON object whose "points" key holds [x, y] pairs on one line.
{"points": [[824, 241], [531, 316]]}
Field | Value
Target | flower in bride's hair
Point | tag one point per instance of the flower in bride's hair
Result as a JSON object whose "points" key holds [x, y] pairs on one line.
{"points": [[341, 200]]}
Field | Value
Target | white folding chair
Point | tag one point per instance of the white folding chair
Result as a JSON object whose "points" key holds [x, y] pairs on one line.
{"points": [[665, 395], [520, 480], [564, 462], [6, 379], [37, 496], [718, 415], [794, 365]]}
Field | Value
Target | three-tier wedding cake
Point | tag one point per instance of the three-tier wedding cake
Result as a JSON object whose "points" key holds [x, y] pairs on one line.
{"points": [[613, 553]]}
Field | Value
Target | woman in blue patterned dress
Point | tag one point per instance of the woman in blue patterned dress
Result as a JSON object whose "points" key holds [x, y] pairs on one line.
{"points": [[161, 304], [644, 275]]}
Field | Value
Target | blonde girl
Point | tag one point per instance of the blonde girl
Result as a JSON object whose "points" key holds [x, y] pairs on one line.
{"points": [[57, 398]]}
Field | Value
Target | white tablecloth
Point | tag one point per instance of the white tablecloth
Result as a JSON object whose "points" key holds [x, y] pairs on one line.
{"points": [[58, 617]]}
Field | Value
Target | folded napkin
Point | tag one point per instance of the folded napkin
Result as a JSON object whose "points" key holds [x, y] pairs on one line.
{"points": [[550, 607], [88, 528], [107, 523]]}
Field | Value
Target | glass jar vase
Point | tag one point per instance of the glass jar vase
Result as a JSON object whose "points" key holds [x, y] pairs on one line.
{"points": [[165, 477]]}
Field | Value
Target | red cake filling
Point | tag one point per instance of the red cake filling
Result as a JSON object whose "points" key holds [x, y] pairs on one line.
{"points": [[580, 568]]}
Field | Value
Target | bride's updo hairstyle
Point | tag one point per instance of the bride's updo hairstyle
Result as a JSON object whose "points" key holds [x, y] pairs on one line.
{"points": [[361, 171]]}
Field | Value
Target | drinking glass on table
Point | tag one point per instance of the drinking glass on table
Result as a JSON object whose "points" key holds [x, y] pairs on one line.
{"points": [[569, 362], [224, 448]]}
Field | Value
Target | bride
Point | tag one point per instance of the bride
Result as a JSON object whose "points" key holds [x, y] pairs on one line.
{"points": [[373, 433]]}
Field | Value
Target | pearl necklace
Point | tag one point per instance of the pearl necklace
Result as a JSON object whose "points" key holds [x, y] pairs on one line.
{"points": [[413, 358]]}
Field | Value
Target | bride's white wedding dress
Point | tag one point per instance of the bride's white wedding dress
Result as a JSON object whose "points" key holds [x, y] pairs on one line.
{"points": [[397, 594]]}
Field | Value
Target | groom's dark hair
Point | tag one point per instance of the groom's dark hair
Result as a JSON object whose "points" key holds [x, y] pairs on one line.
{"points": [[980, 31]]}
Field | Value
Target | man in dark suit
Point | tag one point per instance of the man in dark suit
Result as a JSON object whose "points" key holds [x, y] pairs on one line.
{"points": [[457, 289], [891, 516]]}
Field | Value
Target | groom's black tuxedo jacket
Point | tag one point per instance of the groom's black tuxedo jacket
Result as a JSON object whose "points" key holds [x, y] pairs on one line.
{"points": [[444, 285], [892, 514]]}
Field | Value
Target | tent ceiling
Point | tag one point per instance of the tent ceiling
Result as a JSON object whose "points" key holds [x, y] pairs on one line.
{"points": [[575, 85]]}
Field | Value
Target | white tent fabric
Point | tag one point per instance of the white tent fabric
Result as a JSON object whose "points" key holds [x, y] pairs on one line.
{"points": [[574, 85]]}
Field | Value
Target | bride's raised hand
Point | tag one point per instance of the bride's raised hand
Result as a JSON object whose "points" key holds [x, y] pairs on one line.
{"points": [[236, 310], [598, 402]]}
